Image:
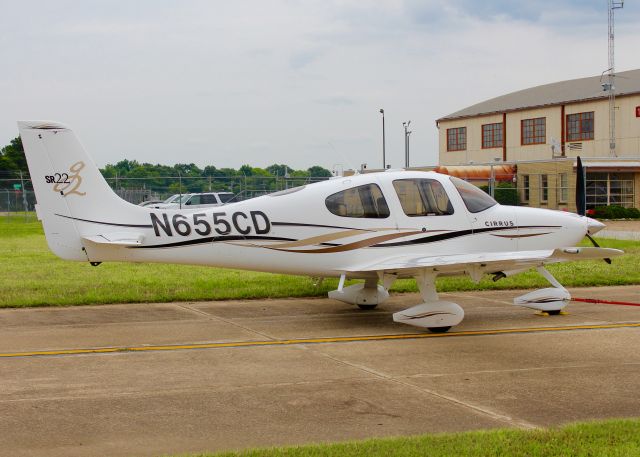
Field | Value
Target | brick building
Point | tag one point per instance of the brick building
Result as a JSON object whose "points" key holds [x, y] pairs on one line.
{"points": [[539, 132]]}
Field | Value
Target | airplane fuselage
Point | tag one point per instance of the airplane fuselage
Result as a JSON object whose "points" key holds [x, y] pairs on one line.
{"points": [[296, 232]]}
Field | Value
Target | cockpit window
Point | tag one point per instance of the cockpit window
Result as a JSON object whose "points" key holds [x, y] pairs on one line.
{"points": [[422, 197], [475, 199], [362, 201]]}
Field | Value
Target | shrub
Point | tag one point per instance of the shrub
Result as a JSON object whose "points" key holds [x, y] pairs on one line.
{"points": [[505, 193], [633, 213], [616, 212]]}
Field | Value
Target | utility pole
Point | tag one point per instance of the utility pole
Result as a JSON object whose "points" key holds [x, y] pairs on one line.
{"points": [[384, 160], [613, 5], [24, 195], [407, 132], [180, 188]]}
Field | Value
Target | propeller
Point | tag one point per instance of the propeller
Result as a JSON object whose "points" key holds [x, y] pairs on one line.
{"points": [[581, 204], [595, 243]]}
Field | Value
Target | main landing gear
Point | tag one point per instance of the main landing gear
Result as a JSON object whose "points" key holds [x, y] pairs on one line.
{"points": [[438, 316], [434, 314], [365, 295]]}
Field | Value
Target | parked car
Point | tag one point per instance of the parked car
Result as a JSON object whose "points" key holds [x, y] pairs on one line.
{"points": [[151, 203], [158, 203], [196, 200]]}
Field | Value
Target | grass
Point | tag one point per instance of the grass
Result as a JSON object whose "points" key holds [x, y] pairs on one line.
{"points": [[610, 438], [33, 276]]}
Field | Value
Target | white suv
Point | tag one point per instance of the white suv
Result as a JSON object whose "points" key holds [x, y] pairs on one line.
{"points": [[199, 200]]}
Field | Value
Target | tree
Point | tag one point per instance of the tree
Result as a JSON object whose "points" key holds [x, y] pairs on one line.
{"points": [[131, 174], [210, 170], [319, 172], [278, 169], [12, 157], [246, 170], [125, 166], [187, 169]]}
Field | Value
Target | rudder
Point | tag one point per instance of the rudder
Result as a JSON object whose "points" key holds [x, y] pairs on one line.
{"points": [[69, 187]]}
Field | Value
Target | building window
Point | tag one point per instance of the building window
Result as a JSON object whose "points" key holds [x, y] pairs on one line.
{"points": [[534, 131], [525, 188], [580, 126], [563, 188], [605, 189], [492, 135], [457, 139], [544, 188]]}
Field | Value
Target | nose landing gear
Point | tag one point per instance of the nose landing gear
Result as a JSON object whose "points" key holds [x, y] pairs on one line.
{"points": [[550, 300]]}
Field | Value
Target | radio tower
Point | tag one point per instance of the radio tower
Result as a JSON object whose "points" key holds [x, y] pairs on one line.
{"points": [[613, 5]]}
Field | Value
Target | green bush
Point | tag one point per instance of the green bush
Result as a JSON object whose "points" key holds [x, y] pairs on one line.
{"points": [[616, 212], [505, 193]]}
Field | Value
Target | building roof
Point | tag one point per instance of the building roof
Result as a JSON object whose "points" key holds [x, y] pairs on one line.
{"points": [[563, 92]]}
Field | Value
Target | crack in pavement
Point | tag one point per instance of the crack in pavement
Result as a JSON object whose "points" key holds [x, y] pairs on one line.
{"points": [[213, 317], [514, 422]]}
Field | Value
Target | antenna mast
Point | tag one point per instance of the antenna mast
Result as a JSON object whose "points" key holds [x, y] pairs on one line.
{"points": [[613, 5]]}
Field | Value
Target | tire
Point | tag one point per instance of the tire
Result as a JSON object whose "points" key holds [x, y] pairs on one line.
{"points": [[554, 312], [439, 329], [367, 307]]}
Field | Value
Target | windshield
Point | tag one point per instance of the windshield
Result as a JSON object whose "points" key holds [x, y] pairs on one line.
{"points": [[474, 199], [225, 197], [172, 199], [182, 200]]}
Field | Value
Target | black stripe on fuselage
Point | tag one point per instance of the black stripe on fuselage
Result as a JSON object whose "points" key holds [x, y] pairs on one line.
{"points": [[106, 223], [459, 233], [212, 239], [295, 224]]}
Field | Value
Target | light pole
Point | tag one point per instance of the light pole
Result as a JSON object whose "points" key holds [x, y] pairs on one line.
{"points": [[408, 148], [384, 160], [407, 132]]}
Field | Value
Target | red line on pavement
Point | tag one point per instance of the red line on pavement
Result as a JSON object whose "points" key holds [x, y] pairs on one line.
{"points": [[606, 302]]}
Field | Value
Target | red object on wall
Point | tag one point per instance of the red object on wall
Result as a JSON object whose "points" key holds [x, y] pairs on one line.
{"points": [[637, 111]]}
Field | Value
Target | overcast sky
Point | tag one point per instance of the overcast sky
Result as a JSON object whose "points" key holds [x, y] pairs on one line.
{"points": [[296, 82]]}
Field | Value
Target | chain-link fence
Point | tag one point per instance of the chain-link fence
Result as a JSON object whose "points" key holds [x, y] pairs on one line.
{"points": [[138, 190], [538, 189], [17, 196], [16, 202]]}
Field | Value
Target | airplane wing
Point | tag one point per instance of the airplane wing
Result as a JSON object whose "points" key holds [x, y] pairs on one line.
{"points": [[481, 263]]}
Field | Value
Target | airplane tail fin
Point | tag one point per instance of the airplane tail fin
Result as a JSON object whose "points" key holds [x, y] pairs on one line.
{"points": [[69, 188]]}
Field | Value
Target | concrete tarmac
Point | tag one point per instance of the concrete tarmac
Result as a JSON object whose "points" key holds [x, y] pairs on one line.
{"points": [[151, 396]]}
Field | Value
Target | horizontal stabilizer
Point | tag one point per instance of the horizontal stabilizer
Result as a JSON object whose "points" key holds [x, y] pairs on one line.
{"points": [[117, 238]]}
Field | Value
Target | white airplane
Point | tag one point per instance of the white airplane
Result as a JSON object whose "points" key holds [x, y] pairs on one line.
{"points": [[378, 227]]}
